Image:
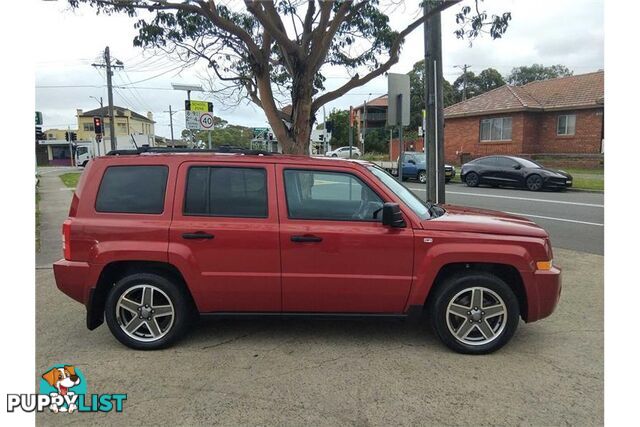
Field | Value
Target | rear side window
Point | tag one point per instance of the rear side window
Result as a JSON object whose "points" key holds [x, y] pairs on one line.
{"points": [[226, 192], [133, 189]]}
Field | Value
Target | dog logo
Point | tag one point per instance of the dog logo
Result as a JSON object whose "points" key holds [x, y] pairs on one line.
{"points": [[62, 379]]}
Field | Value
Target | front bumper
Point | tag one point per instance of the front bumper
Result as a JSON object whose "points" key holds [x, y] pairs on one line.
{"points": [[544, 299]]}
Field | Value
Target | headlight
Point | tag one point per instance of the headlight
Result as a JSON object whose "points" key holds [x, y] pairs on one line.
{"points": [[544, 265]]}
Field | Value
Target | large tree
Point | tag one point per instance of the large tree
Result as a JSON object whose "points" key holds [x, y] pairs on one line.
{"points": [[526, 74], [416, 84], [276, 50]]}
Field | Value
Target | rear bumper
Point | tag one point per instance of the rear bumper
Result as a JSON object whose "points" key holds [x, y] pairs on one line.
{"points": [[548, 286], [76, 278]]}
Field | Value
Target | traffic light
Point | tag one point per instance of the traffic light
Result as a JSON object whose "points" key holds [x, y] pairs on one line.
{"points": [[74, 136], [97, 125], [39, 134], [67, 136], [329, 126]]}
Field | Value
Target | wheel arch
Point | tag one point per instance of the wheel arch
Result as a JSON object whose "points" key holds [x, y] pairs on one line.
{"points": [[508, 273], [116, 270]]}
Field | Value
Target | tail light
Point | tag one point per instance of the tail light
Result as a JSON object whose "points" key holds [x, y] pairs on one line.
{"points": [[66, 239]]}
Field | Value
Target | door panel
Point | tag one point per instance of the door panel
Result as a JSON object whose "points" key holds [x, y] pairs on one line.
{"points": [[341, 266], [238, 269]]}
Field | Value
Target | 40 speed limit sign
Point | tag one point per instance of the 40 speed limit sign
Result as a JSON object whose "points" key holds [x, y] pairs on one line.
{"points": [[206, 121]]}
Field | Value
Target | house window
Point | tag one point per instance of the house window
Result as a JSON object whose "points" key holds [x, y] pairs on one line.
{"points": [[567, 124], [496, 129], [88, 127], [122, 128]]}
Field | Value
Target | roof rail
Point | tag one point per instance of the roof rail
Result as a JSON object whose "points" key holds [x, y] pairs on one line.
{"points": [[220, 149]]}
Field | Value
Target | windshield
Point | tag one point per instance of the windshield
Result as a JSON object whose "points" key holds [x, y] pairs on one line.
{"points": [[409, 199]]}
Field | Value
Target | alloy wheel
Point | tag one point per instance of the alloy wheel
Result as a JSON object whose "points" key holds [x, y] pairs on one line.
{"points": [[534, 182], [422, 177], [476, 316], [145, 313]]}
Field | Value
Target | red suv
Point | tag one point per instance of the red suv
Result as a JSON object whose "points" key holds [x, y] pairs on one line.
{"points": [[154, 239]]}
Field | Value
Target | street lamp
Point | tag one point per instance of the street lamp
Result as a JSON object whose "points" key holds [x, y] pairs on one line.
{"points": [[364, 121]]}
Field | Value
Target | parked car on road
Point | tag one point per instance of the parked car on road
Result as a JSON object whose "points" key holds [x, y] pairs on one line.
{"points": [[343, 152], [414, 166], [509, 171], [154, 239]]}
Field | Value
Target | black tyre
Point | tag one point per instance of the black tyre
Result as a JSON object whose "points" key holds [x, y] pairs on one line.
{"points": [[474, 313], [472, 179], [355, 155], [334, 155], [447, 180], [84, 164], [422, 177], [534, 182], [147, 311]]}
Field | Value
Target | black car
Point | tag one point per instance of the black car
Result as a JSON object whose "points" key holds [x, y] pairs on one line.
{"points": [[509, 171]]}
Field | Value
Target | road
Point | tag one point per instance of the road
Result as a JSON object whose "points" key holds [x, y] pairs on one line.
{"points": [[574, 219]]}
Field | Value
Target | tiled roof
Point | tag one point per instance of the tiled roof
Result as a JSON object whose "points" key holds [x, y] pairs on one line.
{"points": [[381, 101], [580, 91], [117, 112]]}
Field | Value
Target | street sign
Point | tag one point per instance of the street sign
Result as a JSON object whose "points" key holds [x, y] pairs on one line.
{"points": [[38, 118], [206, 121], [398, 85], [202, 106], [192, 120], [260, 133]]}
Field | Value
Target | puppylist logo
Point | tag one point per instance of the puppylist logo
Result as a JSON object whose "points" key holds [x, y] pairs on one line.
{"points": [[63, 389]]}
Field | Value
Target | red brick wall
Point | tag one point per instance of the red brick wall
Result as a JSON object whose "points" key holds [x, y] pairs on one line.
{"points": [[532, 133], [462, 135], [409, 145], [587, 138]]}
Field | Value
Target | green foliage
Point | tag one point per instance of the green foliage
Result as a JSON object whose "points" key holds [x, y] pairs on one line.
{"points": [[526, 74], [340, 134], [416, 83], [70, 179], [225, 134]]}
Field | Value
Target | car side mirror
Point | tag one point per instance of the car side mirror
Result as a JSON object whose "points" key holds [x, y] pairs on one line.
{"points": [[392, 216], [517, 167]]}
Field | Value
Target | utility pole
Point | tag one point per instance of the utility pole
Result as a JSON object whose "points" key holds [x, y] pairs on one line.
{"points": [[350, 131], [464, 68], [107, 64], [324, 131], [434, 105], [171, 123], [364, 126]]}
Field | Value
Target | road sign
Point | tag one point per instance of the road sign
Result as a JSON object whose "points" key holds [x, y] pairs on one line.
{"points": [[202, 106], [192, 120], [38, 118], [398, 85], [206, 121], [260, 133]]}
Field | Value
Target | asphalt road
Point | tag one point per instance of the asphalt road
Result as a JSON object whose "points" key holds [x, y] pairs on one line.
{"points": [[297, 372], [573, 219]]}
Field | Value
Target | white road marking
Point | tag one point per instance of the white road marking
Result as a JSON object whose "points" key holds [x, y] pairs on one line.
{"points": [[555, 219], [519, 198]]}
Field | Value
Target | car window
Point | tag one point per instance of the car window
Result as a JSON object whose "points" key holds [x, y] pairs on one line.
{"points": [[133, 189], [226, 192], [504, 162], [81, 150], [325, 195], [486, 161]]}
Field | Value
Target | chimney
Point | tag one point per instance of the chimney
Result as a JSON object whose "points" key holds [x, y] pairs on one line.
{"points": [[150, 115], [79, 112]]}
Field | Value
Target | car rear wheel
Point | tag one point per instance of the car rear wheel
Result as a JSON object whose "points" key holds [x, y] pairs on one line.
{"points": [[472, 179], [334, 155], [475, 313], [422, 177], [534, 182], [146, 311]]}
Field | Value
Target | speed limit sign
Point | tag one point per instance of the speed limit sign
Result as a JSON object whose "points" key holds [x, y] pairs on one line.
{"points": [[206, 121]]}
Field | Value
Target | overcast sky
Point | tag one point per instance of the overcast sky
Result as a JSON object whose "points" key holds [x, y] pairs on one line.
{"points": [[568, 32]]}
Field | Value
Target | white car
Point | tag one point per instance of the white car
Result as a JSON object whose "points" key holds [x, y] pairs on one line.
{"points": [[343, 152]]}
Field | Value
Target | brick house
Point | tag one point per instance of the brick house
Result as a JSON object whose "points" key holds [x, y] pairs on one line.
{"points": [[559, 118]]}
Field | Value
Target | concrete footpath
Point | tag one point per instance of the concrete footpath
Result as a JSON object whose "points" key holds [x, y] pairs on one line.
{"points": [[328, 372]]}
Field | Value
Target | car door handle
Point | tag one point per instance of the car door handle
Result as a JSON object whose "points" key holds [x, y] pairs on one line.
{"points": [[197, 235], [306, 238]]}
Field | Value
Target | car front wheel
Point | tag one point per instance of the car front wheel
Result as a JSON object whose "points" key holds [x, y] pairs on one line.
{"points": [[422, 177], [146, 311], [534, 182], [474, 313]]}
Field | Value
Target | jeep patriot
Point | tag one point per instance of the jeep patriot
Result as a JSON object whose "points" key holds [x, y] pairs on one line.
{"points": [[155, 239]]}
